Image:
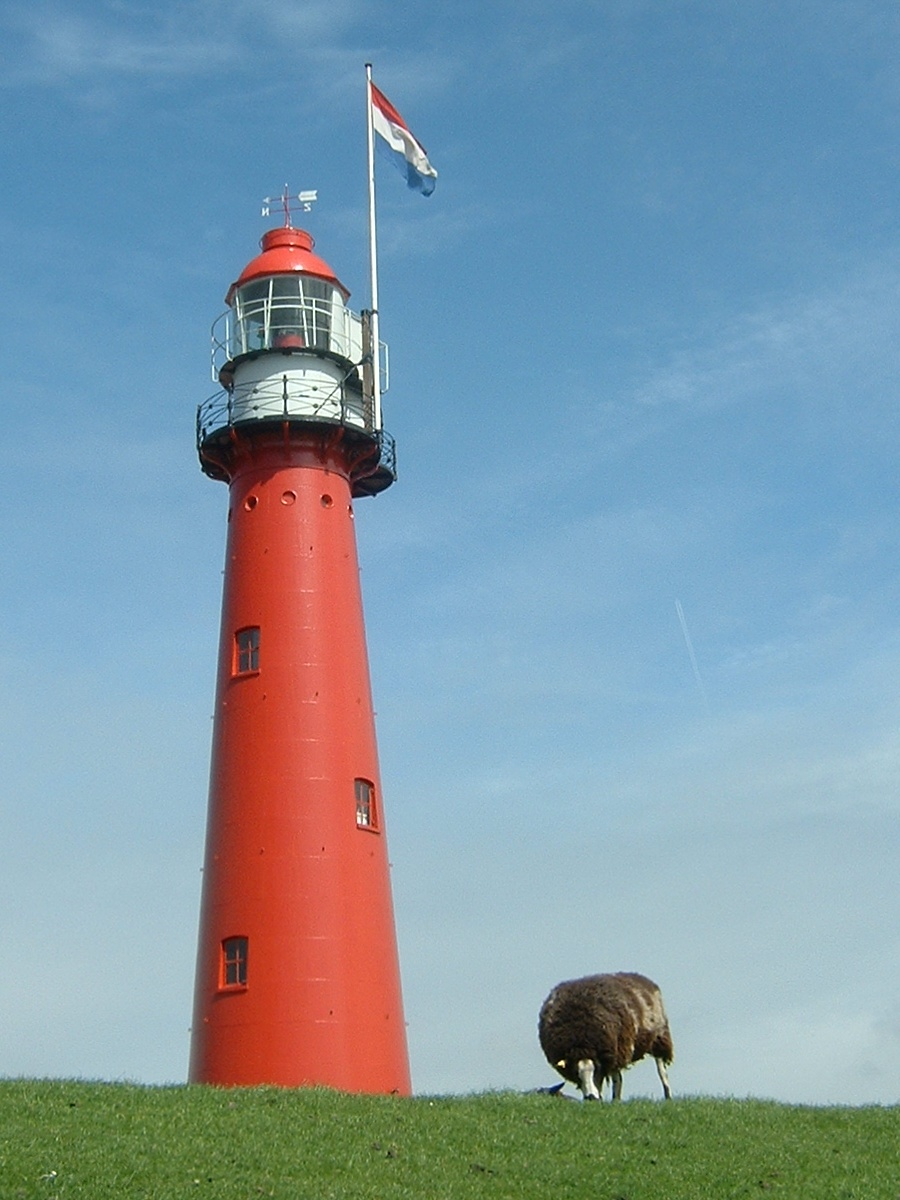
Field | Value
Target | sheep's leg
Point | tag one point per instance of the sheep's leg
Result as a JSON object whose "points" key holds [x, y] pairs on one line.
{"points": [[616, 1078], [586, 1079], [663, 1078]]}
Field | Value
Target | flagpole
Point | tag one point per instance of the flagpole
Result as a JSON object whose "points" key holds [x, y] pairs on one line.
{"points": [[373, 258]]}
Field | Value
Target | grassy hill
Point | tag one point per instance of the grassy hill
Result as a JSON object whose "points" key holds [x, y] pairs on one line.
{"points": [[89, 1141]]}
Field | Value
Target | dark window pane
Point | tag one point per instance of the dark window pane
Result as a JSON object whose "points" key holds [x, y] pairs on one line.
{"points": [[234, 962], [247, 647]]}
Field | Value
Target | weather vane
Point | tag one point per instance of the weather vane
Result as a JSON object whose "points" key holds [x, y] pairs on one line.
{"points": [[305, 200]]}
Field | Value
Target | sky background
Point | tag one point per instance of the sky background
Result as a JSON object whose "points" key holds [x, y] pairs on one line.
{"points": [[632, 606]]}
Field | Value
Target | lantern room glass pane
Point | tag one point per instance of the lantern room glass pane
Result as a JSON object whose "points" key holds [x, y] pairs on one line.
{"points": [[251, 310]]}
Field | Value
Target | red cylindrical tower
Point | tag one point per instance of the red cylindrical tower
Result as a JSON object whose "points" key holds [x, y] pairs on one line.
{"points": [[298, 979]]}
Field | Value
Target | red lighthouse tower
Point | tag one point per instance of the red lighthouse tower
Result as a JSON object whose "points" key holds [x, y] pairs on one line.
{"points": [[298, 979]]}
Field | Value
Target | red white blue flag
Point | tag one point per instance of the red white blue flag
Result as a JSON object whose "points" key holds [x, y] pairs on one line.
{"points": [[408, 153]]}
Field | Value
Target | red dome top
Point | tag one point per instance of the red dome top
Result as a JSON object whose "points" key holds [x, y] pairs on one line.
{"points": [[284, 251]]}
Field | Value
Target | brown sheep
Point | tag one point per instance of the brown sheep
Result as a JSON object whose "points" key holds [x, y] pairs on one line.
{"points": [[591, 1029]]}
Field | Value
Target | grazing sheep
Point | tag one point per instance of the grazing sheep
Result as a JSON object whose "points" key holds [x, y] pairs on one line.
{"points": [[591, 1029]]}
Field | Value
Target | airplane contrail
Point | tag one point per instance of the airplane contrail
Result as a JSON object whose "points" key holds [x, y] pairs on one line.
{"points": [[691, 654]]}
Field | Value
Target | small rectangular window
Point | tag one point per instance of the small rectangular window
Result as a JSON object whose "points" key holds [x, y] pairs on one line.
{"points": [[234, 963], [246, 650], [366, 811]]}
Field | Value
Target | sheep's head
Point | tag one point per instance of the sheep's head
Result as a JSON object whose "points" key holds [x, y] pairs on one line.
{"points": [[584, 1069]]}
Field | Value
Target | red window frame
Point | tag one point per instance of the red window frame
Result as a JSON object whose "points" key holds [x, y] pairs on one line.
{"points": [[246, 651]]}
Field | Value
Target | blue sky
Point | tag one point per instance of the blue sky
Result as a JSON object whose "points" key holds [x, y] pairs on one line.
{"points": [[645, 345]]}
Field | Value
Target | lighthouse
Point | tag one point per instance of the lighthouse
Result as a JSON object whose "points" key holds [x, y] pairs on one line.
{"points": [[298, 980]]}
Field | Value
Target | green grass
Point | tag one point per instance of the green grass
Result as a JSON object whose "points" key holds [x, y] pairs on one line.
{"points": [[89, 1141]]}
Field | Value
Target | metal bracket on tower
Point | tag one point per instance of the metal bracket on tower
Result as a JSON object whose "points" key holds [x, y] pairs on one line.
{"points": [[305, 200]]}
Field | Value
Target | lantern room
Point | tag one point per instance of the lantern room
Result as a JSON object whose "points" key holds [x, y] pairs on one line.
{"points": [[294, 312], [288, 298], [288, 349]]}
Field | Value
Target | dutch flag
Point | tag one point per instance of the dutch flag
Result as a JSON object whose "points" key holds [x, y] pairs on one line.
{"points": [[408, 153]]}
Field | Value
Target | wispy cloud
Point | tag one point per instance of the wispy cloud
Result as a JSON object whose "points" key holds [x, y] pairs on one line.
{"points": [[796, 371], [57, 47], [826, 335], [60, 45]]}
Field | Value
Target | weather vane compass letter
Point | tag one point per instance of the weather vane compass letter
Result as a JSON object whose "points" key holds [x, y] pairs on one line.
{"points": [[302, 202]]}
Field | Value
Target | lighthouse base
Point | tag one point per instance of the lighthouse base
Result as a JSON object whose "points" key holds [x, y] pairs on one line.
{"points": [[298, 980]]}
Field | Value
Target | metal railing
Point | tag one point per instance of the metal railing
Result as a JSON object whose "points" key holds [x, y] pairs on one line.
{"points": [[283, 397], [223, 410]]}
